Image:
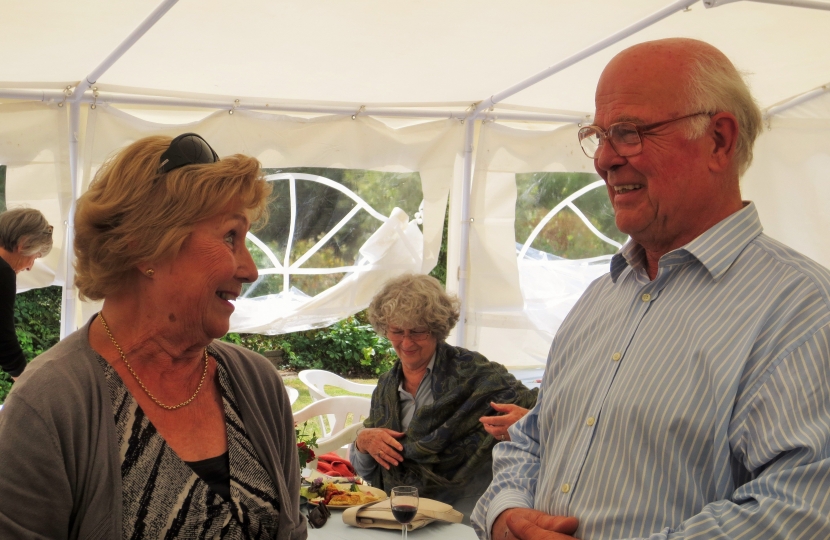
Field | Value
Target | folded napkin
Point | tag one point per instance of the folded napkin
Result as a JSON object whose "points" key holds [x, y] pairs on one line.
{"points": [[333, 465], [379, 515]]}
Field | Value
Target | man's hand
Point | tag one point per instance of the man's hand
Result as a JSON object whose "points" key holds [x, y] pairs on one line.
{"points": [[382, 444], [529, 524], [497, 425]]}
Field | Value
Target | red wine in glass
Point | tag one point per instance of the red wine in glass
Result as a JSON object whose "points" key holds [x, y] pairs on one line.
{"points": [[404, 513], [404, 503]]}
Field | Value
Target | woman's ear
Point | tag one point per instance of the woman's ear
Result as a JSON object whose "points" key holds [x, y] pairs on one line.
{"points": [[723, 129]]}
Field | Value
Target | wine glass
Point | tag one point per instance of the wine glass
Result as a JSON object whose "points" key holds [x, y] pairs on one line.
{"points": [[404, 506]]}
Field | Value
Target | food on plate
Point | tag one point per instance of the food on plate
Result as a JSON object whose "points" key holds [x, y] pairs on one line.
{"points": [[353, 498], [337, 494]]}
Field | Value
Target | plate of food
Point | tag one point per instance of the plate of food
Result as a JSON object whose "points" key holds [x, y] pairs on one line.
{"points": [[342, 495]]}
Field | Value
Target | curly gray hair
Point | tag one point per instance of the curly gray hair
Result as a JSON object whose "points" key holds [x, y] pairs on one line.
{"points": [[414, 300]]}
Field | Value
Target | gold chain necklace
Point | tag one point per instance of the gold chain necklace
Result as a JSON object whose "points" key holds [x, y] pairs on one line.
{"points": [[157, 402]]}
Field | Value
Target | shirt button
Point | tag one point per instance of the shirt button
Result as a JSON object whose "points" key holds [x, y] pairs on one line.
{"points": [[566, 488], [591, 421], [616, 356], [646, 297]]}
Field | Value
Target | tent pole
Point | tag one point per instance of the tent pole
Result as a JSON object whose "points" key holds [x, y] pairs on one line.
{"points": [[32, 95], [125, 45], [584, 53], [810, 4], [390, 112], [69, 303], [463, 263], [795, 101]]}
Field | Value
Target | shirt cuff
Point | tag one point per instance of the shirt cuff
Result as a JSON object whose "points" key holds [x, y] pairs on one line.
{"points": [[505, 500]]}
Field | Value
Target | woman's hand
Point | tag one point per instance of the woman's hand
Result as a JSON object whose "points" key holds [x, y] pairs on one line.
{"points": [[382, 444], [497, 425]]}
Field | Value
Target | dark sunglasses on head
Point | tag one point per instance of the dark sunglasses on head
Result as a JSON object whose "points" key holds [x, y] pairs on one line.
{"points": [[186, 149]]}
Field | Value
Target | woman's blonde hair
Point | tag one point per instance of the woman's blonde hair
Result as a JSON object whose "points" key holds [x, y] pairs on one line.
{"points": [[133, 214], [412, 301]]}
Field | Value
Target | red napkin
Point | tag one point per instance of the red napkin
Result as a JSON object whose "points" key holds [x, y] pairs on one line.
{"points": [[333, 465]]}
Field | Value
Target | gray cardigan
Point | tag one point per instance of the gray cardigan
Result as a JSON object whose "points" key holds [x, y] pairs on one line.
{"points": [[59, 463]]}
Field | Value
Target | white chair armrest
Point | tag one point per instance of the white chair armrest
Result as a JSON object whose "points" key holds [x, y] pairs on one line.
{"points": [[345, 436]]}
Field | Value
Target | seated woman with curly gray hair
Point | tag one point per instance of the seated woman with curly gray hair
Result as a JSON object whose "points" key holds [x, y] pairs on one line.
{"points": [[25, 236], [430, 414], [141, 424]]}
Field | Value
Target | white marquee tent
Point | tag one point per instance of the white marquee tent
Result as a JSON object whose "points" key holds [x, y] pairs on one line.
{"points": [[468, 95]]}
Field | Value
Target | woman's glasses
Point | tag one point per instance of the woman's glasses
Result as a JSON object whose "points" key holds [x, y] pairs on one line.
{"points": [[318, 516], [399, 334], [186, 149]]}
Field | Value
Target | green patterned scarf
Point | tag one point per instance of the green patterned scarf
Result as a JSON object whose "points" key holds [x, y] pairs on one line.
{"points": [[445, 446]]}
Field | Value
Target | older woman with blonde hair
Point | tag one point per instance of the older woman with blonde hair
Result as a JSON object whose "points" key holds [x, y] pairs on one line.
{"points": [[141, 424], [25, 236], [431, 414]]}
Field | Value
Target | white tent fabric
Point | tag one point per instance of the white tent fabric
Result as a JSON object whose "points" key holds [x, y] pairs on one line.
{"points": [[431, 149], [278, 66]]}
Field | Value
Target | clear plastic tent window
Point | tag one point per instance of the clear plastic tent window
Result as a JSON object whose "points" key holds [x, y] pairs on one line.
{"points": [[565, 237], [327, 227], [318, 220]]}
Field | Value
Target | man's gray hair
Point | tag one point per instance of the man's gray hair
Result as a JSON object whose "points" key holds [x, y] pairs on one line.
{"points": [[715, 86], [27, 228]]}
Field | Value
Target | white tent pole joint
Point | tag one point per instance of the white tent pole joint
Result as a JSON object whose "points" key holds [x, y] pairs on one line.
{"points": [[125, 45]]}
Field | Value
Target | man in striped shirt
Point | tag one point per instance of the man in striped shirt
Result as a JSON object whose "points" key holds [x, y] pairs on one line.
{"points": [[687, 394]]}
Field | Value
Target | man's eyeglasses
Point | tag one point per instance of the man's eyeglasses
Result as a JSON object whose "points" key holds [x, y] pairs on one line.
{"points": [[186, 149], [626, 138], [400, 335]]}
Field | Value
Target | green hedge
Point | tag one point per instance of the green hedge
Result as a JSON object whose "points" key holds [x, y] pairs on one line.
{"points": [[37, 318], [350, 348]]}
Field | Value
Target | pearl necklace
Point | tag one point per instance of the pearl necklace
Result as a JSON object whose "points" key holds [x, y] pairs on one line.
{"points": [[126, 363]]}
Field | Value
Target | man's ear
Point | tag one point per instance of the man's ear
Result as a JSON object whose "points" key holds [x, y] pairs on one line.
{"points": [[723, 129]]}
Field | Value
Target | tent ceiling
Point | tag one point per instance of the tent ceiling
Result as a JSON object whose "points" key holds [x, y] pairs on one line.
{"points": [[390, 51]]}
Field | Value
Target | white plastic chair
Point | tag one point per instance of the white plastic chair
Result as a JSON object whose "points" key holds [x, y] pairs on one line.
{"points": [[339, 435], [317, 379], [293, 394]]}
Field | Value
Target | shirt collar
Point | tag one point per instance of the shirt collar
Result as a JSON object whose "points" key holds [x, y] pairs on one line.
{"points": [[716, 249]]}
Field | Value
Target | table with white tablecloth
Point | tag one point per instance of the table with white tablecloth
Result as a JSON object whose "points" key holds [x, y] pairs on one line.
{"points": [[335, 529]]}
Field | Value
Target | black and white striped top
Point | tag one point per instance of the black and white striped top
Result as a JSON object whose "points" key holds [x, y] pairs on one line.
{"points": [[164, 498]]}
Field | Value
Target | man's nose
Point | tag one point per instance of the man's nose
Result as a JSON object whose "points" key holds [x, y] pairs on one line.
{"points": [[606, 157]]}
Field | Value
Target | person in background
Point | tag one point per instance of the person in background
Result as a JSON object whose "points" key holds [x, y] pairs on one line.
{"points": [[141, 424], [25, 236], [687, 393], [425, 424]]}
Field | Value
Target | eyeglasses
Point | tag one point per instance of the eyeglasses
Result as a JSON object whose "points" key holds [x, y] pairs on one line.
{"points": [[318, 516], [186, 149], [626, 138], [400, 335]]}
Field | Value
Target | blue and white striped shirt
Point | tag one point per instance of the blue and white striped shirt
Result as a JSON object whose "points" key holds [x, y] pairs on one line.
{"points": [[696, 405]]}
